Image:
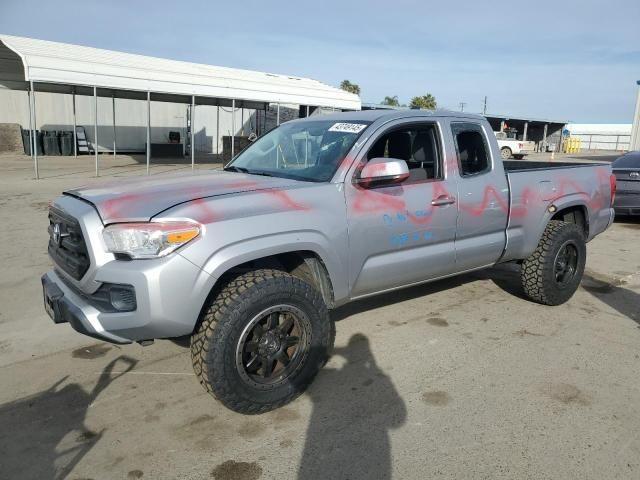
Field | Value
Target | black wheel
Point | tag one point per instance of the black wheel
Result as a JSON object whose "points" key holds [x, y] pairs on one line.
{"points": [[261, 341], [518, 157], [505, 153], [551, 274]]}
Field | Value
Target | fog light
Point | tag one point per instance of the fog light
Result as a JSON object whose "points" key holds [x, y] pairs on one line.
{"points": [[123, 298]]}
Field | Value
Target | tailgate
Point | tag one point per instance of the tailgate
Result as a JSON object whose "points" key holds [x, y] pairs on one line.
{"points": [[526, 146], [627, 180]]}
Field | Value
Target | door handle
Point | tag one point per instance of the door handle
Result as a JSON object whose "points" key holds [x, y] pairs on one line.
{"points": [[443, 200]]}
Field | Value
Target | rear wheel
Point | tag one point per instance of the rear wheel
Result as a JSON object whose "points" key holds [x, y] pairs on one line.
{"points": [[261, 341], [505, 153], [553, 272]]}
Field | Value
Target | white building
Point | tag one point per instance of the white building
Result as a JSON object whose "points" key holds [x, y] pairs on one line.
{"points": [[601, 136]]}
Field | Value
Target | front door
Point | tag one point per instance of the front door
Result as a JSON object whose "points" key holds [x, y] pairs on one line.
{"points": [[404, 233]]}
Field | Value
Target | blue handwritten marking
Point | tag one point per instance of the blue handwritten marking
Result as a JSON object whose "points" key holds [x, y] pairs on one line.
{"points": [[388, 219], [402, 239], [423, 213]]}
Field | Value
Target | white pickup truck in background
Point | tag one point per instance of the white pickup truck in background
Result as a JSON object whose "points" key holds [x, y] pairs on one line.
{"points": [[511, 147]]}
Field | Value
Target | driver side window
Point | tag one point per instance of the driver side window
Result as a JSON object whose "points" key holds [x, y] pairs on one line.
{"points": [[417, 145]]}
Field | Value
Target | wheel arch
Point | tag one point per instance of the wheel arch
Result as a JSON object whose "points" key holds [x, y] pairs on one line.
{"points": [[304, 262], [574, 213]]}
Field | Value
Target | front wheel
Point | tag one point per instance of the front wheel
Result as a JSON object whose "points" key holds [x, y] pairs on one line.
{"points": [[261, 341], [553, 272]]}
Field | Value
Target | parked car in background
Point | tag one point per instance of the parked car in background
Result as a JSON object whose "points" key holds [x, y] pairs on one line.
{"points": [[627, 172], [511, 147]]}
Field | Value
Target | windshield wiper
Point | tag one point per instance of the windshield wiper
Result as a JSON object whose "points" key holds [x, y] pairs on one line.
{"points": [[233, 168], [260, 172]]}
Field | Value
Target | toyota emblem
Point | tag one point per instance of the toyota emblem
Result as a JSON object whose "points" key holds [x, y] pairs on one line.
{"points": [[56, 234]]}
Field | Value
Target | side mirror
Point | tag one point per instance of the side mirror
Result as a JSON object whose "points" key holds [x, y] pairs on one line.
{"points": [[383, 170]]}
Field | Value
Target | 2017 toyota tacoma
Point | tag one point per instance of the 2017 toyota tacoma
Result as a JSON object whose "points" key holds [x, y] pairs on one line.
{"points": [[318, 212]]}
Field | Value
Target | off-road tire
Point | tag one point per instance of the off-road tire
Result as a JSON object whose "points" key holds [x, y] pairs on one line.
{"points": [[214, 343], [538, 270], [505, 153]]}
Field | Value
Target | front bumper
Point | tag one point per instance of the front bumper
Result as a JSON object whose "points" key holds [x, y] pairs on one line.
{"points": [[67, 307], [169, 293]]}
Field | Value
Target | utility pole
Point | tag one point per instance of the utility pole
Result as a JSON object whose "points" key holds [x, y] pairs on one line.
{"points": [[462, 104], [484, 108]]}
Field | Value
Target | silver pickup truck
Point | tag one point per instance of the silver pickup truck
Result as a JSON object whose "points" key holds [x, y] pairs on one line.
{"points": [[249, 260]]}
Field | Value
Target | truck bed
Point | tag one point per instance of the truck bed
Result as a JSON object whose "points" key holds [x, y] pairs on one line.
{"points": [[535, 186]]}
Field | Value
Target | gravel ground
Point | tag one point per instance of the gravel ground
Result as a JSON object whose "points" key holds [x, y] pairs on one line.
{"points": [[461, 378]]}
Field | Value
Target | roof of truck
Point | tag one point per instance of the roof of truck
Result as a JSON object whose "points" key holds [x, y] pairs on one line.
{"points": [[373, 115]]}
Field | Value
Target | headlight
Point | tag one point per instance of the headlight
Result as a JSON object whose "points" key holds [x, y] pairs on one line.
{"points": [[149, 240]]}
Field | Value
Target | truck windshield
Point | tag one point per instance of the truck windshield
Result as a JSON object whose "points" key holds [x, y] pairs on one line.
{"points": [[309, 151]]}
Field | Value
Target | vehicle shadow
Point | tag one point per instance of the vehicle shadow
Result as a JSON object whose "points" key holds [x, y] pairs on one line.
{"points": [[623, 300], [354, 408], [44, 435]]}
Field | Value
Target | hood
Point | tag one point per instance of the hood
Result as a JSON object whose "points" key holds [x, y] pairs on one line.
{"points": [[140, 199]]}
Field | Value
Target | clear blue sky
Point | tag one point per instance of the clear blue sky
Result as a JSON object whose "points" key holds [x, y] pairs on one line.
{"points": [[554, 59]]}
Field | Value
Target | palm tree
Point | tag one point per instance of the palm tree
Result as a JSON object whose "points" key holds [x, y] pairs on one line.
{"points": [[347, 86], [391, 101], [426, 102]]}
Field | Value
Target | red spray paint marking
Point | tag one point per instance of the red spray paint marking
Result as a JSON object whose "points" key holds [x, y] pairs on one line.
{"points": [[489, 192], [372, 202], [198, 196]]}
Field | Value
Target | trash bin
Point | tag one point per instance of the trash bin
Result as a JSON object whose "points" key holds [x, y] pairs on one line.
{"points": [[66, 143], [51, 145], [26, 140]]}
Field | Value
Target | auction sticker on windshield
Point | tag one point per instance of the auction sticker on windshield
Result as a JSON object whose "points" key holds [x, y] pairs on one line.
{"points": [[347, 127]]}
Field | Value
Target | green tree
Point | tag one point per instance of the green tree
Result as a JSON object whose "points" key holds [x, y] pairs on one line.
{"points": [[427, 102], [350, 87], [391, 101]]}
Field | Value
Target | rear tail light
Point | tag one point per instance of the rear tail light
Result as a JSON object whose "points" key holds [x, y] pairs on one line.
{"points": [[612, 181]]}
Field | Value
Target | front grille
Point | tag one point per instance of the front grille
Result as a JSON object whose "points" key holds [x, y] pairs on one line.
{"points": [[67, 247]]}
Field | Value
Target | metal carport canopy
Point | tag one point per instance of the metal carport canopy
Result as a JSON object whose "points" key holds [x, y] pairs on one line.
{"points": [[66, 64]]}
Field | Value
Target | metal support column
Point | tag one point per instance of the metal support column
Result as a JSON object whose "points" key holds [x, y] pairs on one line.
{"points": [[113, 108], [95, 128], [544, 138], [264, 124], [33, 127], [307, 110], [193, 150], [524, 134], [233, 127], [242, 121], [278, 114], [218, 132], [75, 134], [148, 130]]}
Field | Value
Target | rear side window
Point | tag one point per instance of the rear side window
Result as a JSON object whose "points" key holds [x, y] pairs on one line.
{"points": [[472, 149]]}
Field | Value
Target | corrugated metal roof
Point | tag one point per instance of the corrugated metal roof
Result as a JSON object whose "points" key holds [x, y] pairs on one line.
{"points": [[61, 63], [524, 118]]}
